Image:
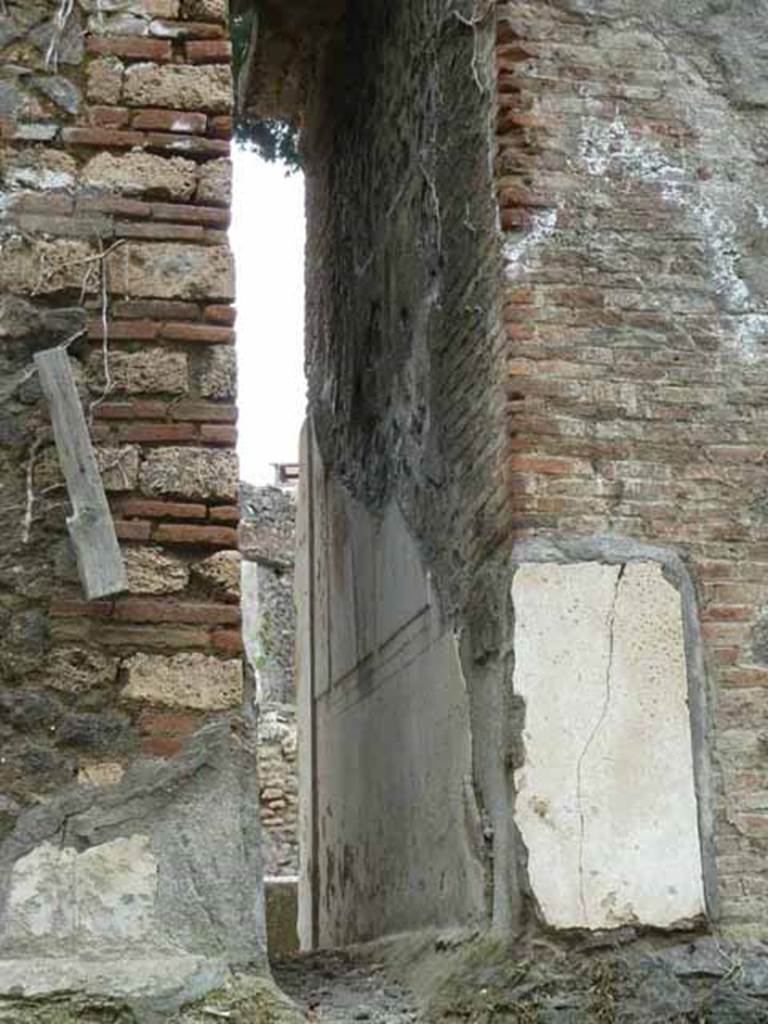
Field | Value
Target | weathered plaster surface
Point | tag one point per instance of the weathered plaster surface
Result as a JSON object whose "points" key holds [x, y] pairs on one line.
{"points": [[399, 841], [606, 802], [140, 868]]}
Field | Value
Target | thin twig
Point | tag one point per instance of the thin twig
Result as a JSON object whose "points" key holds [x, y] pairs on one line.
{"points": [[108, 383], [117, 463], [45, 273], [29, 508], [20, 506], [60, 20], [478, 18]]}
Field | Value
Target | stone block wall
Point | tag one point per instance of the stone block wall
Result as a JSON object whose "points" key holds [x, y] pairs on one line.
{"points": [[279, 790], [121, 720], [267, 542], [115, 183]]}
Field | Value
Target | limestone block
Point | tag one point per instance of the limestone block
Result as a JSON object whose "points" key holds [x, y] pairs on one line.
{"points": [[151, 571], [199, 473], [78, 669], [221, 572], [606, 804], [120, 24], [131, 8], [207, 10], [194, 681], [162, 8], [45, 267], [138, 173], [215, 188], [105, 80], [172, 270], [43, 169], [102, 773], [119, 467], [148, 371], [103, 895], [218, 374], [180, 87]]}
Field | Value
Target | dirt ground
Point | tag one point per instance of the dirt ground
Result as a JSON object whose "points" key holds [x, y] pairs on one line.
{"points": [[335, 988]]}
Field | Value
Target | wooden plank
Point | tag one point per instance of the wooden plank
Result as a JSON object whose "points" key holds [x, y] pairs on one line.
{"points": [[99, 559]]}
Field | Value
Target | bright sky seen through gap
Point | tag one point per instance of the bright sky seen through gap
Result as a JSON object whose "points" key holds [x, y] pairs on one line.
{"points": [[267, 236]]}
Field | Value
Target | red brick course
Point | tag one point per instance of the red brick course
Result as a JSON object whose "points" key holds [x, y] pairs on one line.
{"points": [[204, 536], [147, 509], [133, 530], [146, 610], [202, 333], [163, 733], [169, 120], [130, 47], [225, 514], [214, 51]]}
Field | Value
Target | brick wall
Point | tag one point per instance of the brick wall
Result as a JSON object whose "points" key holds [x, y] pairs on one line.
{"points": [[630, 177], [115, 185]]}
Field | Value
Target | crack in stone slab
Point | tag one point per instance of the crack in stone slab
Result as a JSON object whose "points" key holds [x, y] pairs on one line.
{"points": [[610, 623]]}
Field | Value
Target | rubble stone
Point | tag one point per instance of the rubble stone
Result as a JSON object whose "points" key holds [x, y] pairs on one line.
{"points": [[215, 187], [179, 87], [196, 473], [221, 572], [151, 571], [148, 371], [172, 271], [218, 375], [105, 80], [145, 174], [194, 681]]}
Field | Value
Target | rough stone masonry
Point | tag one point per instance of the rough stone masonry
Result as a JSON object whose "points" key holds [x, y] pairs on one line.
{"points": [[532, 563], [267, 540], [532, 571], [129, 802]]}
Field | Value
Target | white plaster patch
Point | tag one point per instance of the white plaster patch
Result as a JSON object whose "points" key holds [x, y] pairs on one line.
{"points": [[606, 803], [543, 226], [606, 147], [40, 178], [105, 894]]}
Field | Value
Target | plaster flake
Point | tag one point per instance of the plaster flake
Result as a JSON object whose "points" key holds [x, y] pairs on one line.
{"points": [[606, 803]]}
